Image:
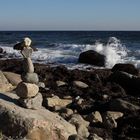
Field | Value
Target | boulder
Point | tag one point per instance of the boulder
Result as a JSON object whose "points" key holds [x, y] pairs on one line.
{"points": [[80, 84], [27, 90], [92, 57], [13, 78], [129, 68], [32, 103], [128, 81], [20, 123], [122, 106], [1, 50], [30, 78]]}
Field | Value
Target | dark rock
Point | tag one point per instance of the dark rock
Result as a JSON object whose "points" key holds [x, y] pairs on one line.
{"points": [[129, 82], [129, 68], [18, 46], [122, 106], [1, 50], [92, 57]]}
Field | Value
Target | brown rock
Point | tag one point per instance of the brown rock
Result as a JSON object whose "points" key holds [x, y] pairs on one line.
{"points": [[26, 90], [80, 84]]}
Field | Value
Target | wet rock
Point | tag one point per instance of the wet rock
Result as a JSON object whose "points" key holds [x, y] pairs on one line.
{"points": [[32, 103], [30, 78], [13, 78], [1, 50], [31, 124], [122, 106], [92, 57], [26, 90], [129, 68], [80, 84], [129, 82]]}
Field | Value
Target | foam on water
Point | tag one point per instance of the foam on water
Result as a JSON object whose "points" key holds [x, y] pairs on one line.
{"points": [[68, 54]]}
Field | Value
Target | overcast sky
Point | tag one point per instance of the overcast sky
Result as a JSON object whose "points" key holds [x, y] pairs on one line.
{"points": [[69, 14]]}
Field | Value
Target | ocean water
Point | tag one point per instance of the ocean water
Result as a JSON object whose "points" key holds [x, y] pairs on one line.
{"points": [[64, 47]]}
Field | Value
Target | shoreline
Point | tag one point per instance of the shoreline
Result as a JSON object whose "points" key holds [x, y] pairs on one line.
{"points": [[95, 91]]}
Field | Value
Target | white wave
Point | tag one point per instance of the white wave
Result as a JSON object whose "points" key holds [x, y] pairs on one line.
{"points": [[68, 54]]}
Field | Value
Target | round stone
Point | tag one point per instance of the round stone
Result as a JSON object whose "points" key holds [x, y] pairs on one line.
{"points": [[30, 78], [27, 90]]}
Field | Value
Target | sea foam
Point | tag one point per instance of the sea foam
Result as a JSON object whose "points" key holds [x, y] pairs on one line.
{"points": [[67, 54]]}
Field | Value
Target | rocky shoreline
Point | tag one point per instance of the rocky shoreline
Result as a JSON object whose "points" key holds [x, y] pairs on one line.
{"points": [[102, 104]]}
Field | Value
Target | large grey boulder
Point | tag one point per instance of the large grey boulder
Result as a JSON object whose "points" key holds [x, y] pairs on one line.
{"points": [[41, 124], [92, 57]]}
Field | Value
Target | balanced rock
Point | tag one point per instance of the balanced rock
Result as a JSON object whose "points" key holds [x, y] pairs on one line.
{"points": [[92, 57], [32, 103], [28, 65], [30, 78], [27, 90]]}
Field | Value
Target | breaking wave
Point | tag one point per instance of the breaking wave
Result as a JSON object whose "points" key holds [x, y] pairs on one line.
{"points": [[68, 54]]}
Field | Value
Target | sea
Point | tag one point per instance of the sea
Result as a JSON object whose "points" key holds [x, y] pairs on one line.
{"points": [[64, 47]]}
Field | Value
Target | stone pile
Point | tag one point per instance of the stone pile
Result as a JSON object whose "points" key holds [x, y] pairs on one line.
{"points": [[28, 90]]}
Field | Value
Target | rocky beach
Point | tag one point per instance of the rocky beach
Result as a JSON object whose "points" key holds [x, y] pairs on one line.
{"points": [[58, 103]]}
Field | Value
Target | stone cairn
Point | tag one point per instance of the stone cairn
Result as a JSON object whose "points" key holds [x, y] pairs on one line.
{"points": [[28, 90]]}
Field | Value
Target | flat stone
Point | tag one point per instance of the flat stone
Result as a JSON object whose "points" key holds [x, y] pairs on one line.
{"points": [[32, 103], [3, 79], [56, 101], [30, 78], [6, 87], [80, 84], [27, 90]]}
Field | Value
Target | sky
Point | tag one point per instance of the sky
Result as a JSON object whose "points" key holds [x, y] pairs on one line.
{"points": [[69, 14]]}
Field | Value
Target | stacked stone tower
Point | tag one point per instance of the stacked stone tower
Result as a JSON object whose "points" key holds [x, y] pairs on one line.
{"points": [[28, 90]]}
